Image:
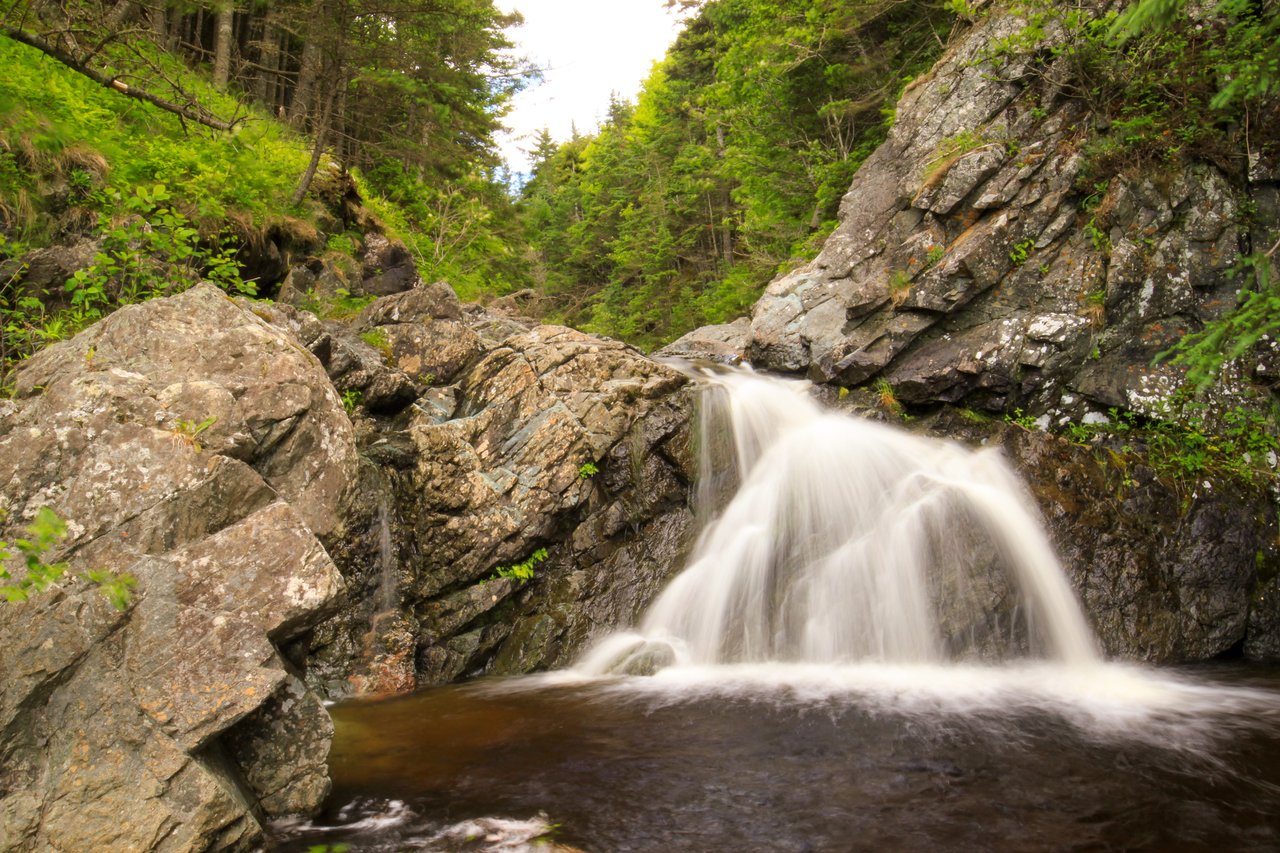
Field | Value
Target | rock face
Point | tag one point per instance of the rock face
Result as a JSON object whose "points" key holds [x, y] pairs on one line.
{"points": [[1165, 571], [978, 263], [546, 439], [120, 728], [284, 555]]}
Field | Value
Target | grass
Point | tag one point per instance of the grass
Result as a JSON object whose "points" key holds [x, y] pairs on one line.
{"points": [[66, 143]]}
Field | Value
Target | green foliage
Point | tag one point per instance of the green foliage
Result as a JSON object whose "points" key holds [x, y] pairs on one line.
{"points": [[1187, 443], [118, 588], [1257, 316], [729, 167], [54, 123], [351, 398], [1099, 238], [952, 149], [1248, 61], [524, 570], [191, 430], [1021, 251], [887, 399], [587, 470], [464, 230], [40, 574], [1168, 85], [961, 9], [44, 532], [149, 249], [1021, 419], [377, 338], [341, 306]]}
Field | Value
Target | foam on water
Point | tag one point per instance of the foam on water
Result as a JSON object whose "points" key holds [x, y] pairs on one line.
{"points": [[851, 541], [854, 563]]}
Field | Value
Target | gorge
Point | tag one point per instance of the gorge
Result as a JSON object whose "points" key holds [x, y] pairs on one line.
{"points": [[872, 642]]}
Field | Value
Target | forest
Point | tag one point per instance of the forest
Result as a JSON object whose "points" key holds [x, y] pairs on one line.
{"points": [[726, 170]]}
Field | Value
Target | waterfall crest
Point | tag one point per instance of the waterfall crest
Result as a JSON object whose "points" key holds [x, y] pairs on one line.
{"points": [[850, 541]]}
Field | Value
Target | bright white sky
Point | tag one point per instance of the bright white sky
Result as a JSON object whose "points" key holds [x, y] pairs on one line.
{"points": [[587, 49]]}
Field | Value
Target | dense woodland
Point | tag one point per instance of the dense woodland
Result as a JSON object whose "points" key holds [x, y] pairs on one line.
{"points": [[208, 123]]}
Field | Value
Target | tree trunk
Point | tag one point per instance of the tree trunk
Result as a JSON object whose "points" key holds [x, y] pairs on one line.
{"points": [[159, 20], [222, 43], [322, 134], [120, 14], [309, 72], [726, 199]]}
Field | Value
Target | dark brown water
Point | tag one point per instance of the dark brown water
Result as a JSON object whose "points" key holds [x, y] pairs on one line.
{"points": [[789, 759]]}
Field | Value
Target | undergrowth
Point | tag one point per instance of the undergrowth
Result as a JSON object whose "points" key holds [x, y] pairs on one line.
{"points": [[1186, 443]]}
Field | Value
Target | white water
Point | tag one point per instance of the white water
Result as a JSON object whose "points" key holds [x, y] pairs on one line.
{"points": [[851, 541]]}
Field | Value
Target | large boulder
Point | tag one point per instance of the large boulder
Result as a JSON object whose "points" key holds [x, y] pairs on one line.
{"points": [[984, 261], [980, 259], [187, 443], [551, 440]]}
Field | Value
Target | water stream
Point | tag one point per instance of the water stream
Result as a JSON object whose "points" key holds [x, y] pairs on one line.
{"points": [[873, 647]]}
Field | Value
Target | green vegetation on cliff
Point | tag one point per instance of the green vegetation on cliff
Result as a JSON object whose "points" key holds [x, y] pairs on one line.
{"points": [[731, 163], [729, 166], [111, 129]]}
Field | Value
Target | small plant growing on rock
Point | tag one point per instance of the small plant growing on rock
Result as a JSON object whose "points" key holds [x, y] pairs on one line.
{"points": [[44, 532], [522, 571], [190, 430], [588, 470], [887, 399], [1020, 418], [378, 339], [351, 398], [1021, 251]]}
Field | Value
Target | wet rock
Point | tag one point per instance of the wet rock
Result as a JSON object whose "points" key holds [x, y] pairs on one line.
{"points": [[1263, 640], [1165, 572]]}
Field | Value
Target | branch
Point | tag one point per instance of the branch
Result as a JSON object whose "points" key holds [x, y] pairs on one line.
{"points": [[196, 115]]}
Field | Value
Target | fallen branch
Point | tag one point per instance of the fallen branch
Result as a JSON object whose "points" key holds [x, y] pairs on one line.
{"points": [[197, 115]]}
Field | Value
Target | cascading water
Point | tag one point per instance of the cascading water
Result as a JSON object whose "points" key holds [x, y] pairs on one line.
{"points": [[848, 568], [851, 541]]}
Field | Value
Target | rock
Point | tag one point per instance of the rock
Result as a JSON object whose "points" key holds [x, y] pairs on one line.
{"points": [[1163, 576], [312, 283], [526, 303], [1263, 641], [941, 251], [725, 344], [386, 266], [425, 332], [497, 470], [192, 445], [43, 272]]}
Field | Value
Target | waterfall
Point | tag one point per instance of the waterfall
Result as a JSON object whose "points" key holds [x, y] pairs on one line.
{"points": [[850, 541]]}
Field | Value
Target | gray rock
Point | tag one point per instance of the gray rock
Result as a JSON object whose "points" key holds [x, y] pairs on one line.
{"points": [[725, 344], [386, 266], [116, 724]]}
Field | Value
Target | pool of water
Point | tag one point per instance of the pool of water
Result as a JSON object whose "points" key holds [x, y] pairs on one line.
{"points": [[813, 759]]}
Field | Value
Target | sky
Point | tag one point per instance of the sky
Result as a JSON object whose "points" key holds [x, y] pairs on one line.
{"points": [[587, 49]]}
